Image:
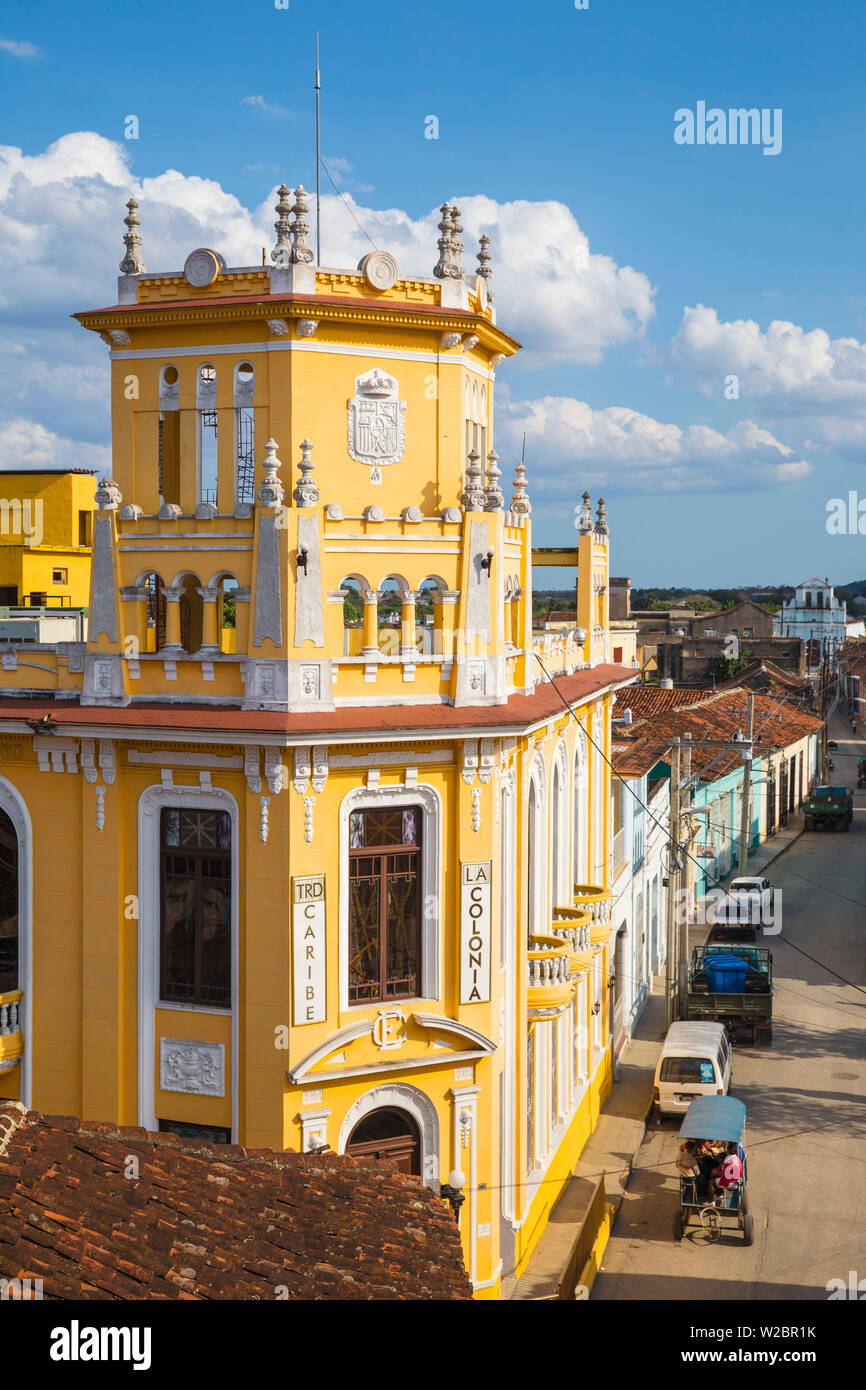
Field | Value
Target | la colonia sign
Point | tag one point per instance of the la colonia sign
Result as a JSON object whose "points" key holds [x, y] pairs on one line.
{"points": [[475, 932]]}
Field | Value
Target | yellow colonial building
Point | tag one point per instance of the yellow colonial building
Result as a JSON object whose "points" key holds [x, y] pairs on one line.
{"points": [[302, 846], [45, 529]]}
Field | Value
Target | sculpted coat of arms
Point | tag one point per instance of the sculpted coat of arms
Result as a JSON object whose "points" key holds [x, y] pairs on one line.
{"points": [[377, 422]]}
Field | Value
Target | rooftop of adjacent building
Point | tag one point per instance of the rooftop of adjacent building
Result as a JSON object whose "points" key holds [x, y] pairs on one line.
{"points": [[99, 1211]]}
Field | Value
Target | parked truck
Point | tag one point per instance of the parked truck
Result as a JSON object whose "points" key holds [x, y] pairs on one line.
{"points": [[733, 985], [829, 808], [748, 905]]}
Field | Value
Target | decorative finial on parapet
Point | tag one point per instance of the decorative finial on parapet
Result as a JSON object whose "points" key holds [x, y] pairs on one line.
{"points": [[520, 503], [306, 493], [601, 526], [440, 269], [448, 266], [282, 252], [473, 497], [494, 499], [484, 270], [108, 494], [271, 492], [584, 521], [301, 252], [456, 243], [132, 264]]}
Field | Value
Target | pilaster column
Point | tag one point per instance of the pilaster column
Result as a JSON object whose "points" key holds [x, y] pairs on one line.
{"points": [[137, 627], [516, 596], [445, 613], [371, 623], [464, 1141], [210, 609]]}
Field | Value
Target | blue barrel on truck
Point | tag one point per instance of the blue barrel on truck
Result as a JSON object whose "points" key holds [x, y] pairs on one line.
{"points": [[725, 974]]}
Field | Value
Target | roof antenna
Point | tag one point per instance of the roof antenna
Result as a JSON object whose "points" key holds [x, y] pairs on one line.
{"points": [[523, 449], [318, 164]]}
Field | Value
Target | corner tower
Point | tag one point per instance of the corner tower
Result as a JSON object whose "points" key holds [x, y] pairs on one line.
{"points": [[305, 510]]}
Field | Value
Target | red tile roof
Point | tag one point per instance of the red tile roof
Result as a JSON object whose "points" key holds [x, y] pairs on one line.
{"points": [[720, 716], [211, 1221], [652, 699], [519, 710]]}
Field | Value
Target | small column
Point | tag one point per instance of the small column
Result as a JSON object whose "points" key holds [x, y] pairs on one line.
{"points": [[407, 625], [516, 596], [371, 623], [172, 622], [209, 634]]}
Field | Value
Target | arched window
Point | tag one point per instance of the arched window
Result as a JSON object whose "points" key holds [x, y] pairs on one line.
{"points": [[196, 907], [207, 433], [191, 614], [245, 441], [536, 916], [168, 448], [388, 615], [155, 621], [9, 978], [385, 895]]}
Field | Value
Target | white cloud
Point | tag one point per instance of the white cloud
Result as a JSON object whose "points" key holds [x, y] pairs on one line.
{"points": [[618, 449], [26, 444], [794, 370], [19, 50], [262, 105]]}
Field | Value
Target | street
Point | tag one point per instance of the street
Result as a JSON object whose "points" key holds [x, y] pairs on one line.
{"points": [[805, 1100]]}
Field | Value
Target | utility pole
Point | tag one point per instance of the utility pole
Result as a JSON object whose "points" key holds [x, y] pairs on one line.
{"points": [[683, 882], [671, 953], [825, 703], [745, 819]]}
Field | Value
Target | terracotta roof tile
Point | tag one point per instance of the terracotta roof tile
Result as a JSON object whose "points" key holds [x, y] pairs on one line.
{"points": [[205, 1221], [518, 710]]}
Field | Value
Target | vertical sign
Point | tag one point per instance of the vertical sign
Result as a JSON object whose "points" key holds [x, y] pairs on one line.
{"points": [[308, 948], [475, 932]]}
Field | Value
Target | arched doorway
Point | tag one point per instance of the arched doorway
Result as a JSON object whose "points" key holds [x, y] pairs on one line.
{"points": [[8, 905], [388, 1133]]}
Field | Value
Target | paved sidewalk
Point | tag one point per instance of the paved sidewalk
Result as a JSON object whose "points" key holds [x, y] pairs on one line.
{"points": [[609, 1152]]}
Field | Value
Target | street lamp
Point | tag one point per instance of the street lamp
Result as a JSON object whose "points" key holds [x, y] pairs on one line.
{"points": [[451, 1193]]}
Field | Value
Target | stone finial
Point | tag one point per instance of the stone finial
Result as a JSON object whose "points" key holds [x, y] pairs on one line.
{"points": [[484, 270], [108, 495], [456, 243], [271, 492], [601, 526], [520, 503], [306, 493], [493, 496], [473, 497], [301, 252], [448, 266], [584, 521], [132, 264], [282, 252]]}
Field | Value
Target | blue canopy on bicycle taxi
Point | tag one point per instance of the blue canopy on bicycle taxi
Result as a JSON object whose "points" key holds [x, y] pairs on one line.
{"points": [[714, 1117]]}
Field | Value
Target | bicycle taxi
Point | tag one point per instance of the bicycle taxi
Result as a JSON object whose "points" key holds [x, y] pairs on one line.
{"points": [[712, 1132]]}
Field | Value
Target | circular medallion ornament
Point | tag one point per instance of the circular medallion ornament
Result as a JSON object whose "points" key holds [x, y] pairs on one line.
{"points": [[380, 269], [201, 267], [481, 291]]}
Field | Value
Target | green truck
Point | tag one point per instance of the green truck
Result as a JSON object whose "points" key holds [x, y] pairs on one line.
{"points": [[829, 808], [733, 985]]}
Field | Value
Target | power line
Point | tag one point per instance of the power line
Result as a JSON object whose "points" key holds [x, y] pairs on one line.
{"points": [[348, 206]]}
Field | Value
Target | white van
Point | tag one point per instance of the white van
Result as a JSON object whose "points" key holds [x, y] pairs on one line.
{"points": [[695, 1061]]}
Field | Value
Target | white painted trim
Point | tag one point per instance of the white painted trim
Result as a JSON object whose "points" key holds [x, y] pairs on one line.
{"points": [[13, 803], [418, 1105], [150, 803], [425, 796], [508, 955], [296, 345], [488, 1283]]}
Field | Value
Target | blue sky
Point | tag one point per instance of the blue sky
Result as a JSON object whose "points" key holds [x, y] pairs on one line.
{"points": [[543, 106]]}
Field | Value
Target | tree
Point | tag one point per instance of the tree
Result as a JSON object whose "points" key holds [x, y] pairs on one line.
{"points": [[724, 667]]}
